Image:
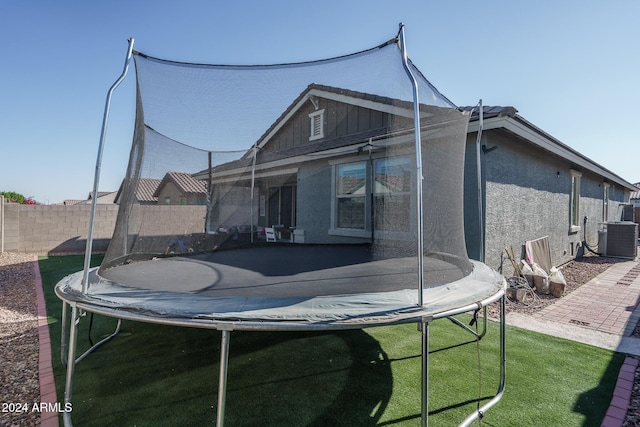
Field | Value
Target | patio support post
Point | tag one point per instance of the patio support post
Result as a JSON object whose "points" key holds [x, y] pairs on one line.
{"points": [[96, 179], [222, 380]]}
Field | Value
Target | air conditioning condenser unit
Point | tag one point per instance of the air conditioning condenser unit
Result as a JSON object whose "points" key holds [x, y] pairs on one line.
{"points": [[622, 239]]}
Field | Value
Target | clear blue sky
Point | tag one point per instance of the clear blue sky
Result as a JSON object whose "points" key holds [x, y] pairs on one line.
{"points": [[571, 68]]}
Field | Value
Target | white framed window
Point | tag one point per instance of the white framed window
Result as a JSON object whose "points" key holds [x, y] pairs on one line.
{"points": [[317, 125], [392, 192], [575, 200], [351, 196], [372, 195], [605, 201]]}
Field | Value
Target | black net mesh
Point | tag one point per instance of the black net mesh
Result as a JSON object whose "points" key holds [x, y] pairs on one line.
{"points": [[319, 154]]}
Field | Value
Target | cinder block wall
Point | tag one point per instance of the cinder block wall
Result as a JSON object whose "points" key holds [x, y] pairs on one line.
{"points": [[56, 229], [59, 229]]}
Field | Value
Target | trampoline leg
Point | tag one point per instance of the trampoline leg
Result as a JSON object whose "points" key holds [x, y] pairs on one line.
{"points": [[222, 381], [503, 369], [478, 336], [68, 389], [425, 373], [103, 341], [64, 336]]}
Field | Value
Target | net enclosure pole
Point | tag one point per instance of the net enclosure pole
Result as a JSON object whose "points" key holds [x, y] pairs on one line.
{"points": [[416, 124], [96, 179], [479, 178]]}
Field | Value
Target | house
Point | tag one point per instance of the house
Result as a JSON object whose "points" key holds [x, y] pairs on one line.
{"points": [[326, 169], [179, 188], [634, 199], [175, 188], [532, 186], [338, 167], [104, 197], [145, 190]]}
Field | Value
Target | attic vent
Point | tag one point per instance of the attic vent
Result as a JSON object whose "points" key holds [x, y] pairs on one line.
{"points": [[317, 125]]}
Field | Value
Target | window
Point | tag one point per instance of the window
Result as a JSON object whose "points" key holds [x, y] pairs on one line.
{"points": [[167, 200], [392, 187], [575, 200], [351, 192], [373, 195], [605, 201], [317, 125], [183, 200]]}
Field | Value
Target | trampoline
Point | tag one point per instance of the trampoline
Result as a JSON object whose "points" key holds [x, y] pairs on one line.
{"points": [[342, 211]]}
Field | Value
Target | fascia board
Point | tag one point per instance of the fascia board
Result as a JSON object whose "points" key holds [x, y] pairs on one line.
{"points": [[365, 103], [539, 139]]}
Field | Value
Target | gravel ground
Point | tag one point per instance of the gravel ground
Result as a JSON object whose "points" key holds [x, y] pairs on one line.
{"points": [[19, 381], [576, 273]]}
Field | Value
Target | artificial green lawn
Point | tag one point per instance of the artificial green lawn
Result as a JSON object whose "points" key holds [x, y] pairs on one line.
{"points": [[155, 375]]}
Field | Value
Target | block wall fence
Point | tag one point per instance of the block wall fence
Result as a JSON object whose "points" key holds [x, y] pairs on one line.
{"points": [[60, 229]]}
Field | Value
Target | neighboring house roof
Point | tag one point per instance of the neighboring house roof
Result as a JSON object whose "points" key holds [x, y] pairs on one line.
{"points": [[144, 192], [104, 197], [100, 194], [185, 183], [507, 118], [146, 189], [635, 194]]}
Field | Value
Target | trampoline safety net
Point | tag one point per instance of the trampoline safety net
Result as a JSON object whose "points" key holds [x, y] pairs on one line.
{"points": [[289, 170]]}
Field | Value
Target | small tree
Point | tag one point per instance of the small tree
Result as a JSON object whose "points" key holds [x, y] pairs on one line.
{"points": [[14, 197]]}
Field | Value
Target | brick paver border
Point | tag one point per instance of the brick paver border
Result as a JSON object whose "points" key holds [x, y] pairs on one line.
{"points": [[47, 383], [621, 394]]}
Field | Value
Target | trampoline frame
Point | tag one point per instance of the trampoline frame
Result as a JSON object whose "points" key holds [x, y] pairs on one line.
{"points": [[79, 310], [420, 316]]}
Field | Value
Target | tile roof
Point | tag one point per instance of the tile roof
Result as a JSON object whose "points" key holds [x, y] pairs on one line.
{"points": [[185, 182], [146, 188], [490, 111]]}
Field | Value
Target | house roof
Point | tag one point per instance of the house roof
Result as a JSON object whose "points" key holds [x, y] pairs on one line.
{"points": [[494, 117], [100, 194], [507, 118], [146, 188], [636, 194], [104, 197], [367, 100], [185, 182]]}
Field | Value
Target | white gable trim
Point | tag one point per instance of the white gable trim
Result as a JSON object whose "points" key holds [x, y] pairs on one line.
{"points": [[359, 102]]}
